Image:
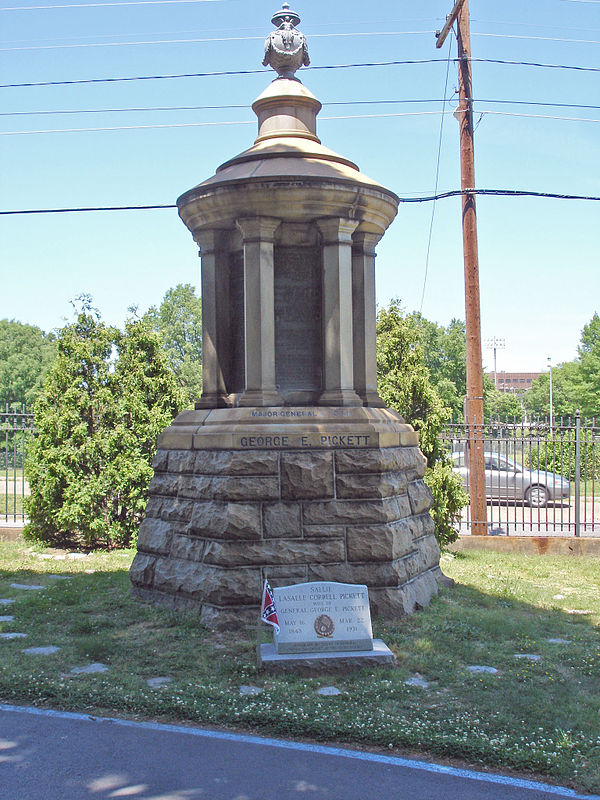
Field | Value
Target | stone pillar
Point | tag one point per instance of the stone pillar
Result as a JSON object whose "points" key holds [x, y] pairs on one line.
{"points": [[364, 317], [338, 372], [214, 391], [258, 235]]}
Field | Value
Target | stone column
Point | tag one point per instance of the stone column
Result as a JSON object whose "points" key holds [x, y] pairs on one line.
{"points": [[364, 317], [338, 372], [258, 235], [214, 391]]}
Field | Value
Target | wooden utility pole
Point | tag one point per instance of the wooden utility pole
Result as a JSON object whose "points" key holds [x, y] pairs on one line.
{"points": [[474, 399]]}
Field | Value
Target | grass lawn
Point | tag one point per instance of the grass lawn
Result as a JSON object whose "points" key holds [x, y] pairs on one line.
{"points": [[536, 717]]}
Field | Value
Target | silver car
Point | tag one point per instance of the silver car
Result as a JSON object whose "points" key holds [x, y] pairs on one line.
{"points": [[507, 480]]}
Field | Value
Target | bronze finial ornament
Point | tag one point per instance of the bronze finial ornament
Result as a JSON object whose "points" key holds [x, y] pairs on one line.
{"points": [[286, 49]]}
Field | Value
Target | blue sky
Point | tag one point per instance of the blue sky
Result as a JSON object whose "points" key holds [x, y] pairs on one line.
{"points": [[539, 263]]}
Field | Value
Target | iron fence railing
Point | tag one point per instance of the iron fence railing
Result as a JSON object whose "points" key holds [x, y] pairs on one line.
{"points": [[16, 431], [541, 478]]}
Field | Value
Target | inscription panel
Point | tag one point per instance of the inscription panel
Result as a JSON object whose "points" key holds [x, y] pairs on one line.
{"points": [[300, 440], [323, 617], [298, 337]]}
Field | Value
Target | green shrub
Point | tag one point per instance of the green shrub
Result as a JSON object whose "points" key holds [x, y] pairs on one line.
{"points": [[105, 400], [449, 497], [558, 455], [404, 383]]}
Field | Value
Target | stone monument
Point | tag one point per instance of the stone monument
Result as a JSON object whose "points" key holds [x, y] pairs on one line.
{"points": [[323, 626], [290, 461]]}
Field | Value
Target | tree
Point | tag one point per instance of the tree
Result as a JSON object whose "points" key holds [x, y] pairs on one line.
{"points": [[178, 320], [565, 392], [502, 405], [26, 353], [588, 383], [105, 399], [404, 382], [445, 356], [575, 384]]}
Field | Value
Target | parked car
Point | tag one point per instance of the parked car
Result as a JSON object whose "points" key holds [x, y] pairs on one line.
{"points": [[507, 480]]}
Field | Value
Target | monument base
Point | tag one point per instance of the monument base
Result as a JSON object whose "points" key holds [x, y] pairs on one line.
{"points": [[297, 494], [335, 661]]}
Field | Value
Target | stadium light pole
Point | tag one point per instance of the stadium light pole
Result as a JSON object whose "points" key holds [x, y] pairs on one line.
{"points": [[495, 344]]}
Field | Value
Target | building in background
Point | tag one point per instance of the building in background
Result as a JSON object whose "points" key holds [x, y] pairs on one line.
{"points": [[514, 382]]}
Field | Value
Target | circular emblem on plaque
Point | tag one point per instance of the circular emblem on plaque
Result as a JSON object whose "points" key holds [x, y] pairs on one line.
{"points": [[324, 626]]}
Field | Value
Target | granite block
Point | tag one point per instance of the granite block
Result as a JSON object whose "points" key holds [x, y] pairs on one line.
{"points": [[366, 485], [275, 551], [306, 475], [282, 520], [219, 520]]}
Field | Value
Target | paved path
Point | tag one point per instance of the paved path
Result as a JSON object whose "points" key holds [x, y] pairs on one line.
{"points": [[47, 755]]}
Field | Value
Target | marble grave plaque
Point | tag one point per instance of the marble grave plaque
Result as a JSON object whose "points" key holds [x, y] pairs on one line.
{"points": [[323, 617]]}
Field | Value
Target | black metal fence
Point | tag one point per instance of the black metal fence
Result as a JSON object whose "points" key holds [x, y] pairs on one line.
{"points": [[16, 430], [541, 477]]}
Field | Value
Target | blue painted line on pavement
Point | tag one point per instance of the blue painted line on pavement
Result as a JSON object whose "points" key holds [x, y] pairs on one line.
{"points": [[395, 761]]}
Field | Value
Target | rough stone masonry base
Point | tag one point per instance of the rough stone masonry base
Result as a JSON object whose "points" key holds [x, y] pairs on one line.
{"points": [[219, 520]]}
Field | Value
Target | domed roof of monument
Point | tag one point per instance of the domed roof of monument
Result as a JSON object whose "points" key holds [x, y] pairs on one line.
{"points": [[287, 145]]}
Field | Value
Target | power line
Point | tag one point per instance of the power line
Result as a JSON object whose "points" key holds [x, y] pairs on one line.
{"points": [[146, 42], [407, 101], [204, 31], [535, 38], [213, 74], [313, 27], [136, 78], [100, 5], [131, 44], [205, 40], [535, 103], [521, 24], [535, 116], [212, 124], [316, 67], [531, 64], [79, 209], [133, 127], [125, 110], [87, 208], [424, 199], [437, 177], [206, 124], [196, 108], [503, 193]]}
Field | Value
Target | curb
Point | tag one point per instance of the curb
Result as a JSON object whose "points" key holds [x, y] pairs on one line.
{"points": [[531, 545], [11, 532]]}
